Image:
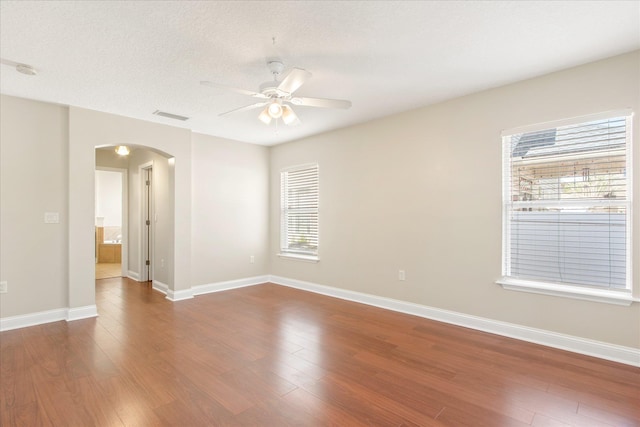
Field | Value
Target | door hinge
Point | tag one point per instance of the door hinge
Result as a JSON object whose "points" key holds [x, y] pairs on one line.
{"points": [[147, 262], [148, 222], [148, 182]]}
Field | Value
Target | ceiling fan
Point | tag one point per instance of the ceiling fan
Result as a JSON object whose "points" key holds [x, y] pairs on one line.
{"points": [[275, 96]]}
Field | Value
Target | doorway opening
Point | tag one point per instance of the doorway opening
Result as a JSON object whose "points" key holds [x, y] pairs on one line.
{"points": [[110, 222], [147, 212]]}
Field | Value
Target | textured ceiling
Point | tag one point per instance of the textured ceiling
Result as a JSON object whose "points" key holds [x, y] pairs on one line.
{"points": [[134, 57]]}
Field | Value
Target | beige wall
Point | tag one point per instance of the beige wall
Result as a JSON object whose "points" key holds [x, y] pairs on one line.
{"points": [[421, 191], [229, 211], [33, 180]]}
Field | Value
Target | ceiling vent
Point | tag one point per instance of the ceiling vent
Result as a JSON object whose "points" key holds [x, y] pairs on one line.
{"points": [[170, 116]]}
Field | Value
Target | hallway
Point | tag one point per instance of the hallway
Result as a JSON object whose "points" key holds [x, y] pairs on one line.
{"points": [[108, 270]]}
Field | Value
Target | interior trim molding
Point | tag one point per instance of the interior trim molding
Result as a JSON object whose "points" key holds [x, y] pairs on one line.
{"points": [[229, 284], [133, 275], [159, 286], [78, 313], [566, 291], [47, 316], [179, 295], [602, 350], [32, 319]]}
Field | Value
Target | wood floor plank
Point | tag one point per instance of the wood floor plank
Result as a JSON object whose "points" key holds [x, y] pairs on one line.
{"points": [[625, 407], [128, 402], [318, 412], [607, 416], [17, 387], [371, 407], [28, 415], [269, 355], [177, 413]]}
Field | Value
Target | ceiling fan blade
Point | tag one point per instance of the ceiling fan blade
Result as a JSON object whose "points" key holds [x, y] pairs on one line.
{"points": [[234, 89], [245, 108], [321, 102], [294, 79]]}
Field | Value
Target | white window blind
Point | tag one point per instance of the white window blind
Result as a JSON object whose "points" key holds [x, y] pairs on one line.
{"points": [[567, 199], [299, 210]]}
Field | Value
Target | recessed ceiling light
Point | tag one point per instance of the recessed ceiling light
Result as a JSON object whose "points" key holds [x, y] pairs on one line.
{"points": [[26, 69]]}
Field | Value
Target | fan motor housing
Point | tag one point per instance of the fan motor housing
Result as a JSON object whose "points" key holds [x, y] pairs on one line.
{"points": [[276, 67], [269, 88]]}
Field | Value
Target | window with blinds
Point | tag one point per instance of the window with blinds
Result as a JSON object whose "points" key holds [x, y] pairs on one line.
{"points": [[567, 199], [299, 210]]}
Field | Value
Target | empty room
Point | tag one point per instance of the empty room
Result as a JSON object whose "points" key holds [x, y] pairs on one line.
{"points": [[319, 213]]}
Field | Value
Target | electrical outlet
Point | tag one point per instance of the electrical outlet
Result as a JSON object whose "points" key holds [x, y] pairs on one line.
{"points": [[3, 287], [252, 259], [401, 275]]}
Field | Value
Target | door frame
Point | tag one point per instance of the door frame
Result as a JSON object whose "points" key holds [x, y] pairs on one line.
{"points": [[146, 235]]}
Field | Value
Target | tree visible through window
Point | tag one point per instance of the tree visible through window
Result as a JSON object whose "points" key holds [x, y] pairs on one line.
{"points": [[299, 210], [566, 200]]}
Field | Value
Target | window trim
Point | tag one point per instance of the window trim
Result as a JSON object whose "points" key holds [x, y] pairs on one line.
{"points": [[618, 297], [568, 291], [299, 257], [293, 255]]}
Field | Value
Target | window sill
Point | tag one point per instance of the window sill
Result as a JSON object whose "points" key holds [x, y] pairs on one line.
{"points": [[568, 291], [300, 257]]}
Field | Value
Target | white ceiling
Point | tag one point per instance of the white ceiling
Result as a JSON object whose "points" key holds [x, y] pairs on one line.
{"points": [[134, 57]]}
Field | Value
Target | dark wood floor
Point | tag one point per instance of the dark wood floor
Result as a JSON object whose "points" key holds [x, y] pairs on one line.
{"points": [[272, 356]]}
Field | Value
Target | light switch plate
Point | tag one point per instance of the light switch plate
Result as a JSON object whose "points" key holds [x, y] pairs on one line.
{"points": [[3, 287], [51, 217]]}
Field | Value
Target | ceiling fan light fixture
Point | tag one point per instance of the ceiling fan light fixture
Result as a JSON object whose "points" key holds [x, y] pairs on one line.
{"points": [[277, 96], [289, 117], [264, 117], [275, 110], [122, 150]]}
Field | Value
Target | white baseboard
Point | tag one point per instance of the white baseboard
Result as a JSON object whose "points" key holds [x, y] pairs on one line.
{"points": [[230, 284], [133, 275], [78, 313], [179, 295], [208, 288], [159, 286], [616, 353], [32, 319], [48, 316]]}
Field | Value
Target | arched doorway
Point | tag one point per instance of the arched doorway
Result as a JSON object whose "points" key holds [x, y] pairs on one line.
{"points": [[89, 130]]}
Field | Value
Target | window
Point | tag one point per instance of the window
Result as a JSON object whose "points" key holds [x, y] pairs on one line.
{"points": [[567, 206], [299, 212]]}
